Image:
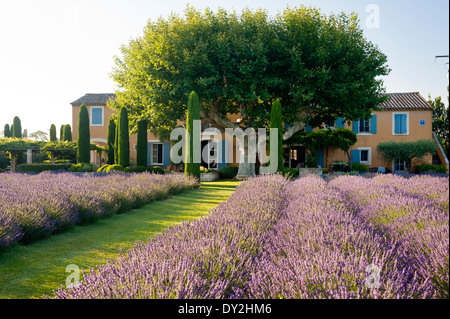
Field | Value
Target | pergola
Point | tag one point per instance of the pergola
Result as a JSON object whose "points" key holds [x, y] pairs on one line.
{"points": [[15, 151]]}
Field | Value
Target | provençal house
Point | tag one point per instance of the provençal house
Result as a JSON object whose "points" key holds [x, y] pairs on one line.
{"points": [[403, 117]]}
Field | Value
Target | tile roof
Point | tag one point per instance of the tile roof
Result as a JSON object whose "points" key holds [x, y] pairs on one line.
{"points": [[94, 99], [405, 101]]}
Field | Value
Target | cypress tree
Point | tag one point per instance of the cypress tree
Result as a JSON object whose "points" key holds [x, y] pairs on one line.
{"points": [[61, 133], [6, 131], [124, 139], [116, 142], [17, 129], [111, 136], [141, 157], [67, 133], [276, 122], [83, 135], [53, 133], [193, 113]]}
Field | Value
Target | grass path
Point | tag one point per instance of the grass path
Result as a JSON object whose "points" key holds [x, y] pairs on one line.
{"points": [[34, 270]]}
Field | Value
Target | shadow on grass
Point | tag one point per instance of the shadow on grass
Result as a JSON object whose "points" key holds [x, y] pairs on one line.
{"points": [[34, 270]]}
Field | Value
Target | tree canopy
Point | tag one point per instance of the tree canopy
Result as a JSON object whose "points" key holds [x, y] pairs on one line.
{"points": [[319, 67]]}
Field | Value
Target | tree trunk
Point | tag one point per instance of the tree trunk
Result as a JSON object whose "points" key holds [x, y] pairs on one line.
{"points": [[247, 164]]}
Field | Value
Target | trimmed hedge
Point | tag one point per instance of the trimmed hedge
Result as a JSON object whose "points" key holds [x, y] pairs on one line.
{"points": [[41, 167], [429, 167], [228, 172], [82, 167], [360, 168]]}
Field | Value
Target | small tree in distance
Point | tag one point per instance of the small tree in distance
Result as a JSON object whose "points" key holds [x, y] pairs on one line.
{"points": [[53, 133]]}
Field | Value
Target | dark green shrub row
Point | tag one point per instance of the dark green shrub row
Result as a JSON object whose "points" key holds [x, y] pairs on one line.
{"points": [[360, 168], [228, 172], [429, 167], [137, 169], [41, 167]]}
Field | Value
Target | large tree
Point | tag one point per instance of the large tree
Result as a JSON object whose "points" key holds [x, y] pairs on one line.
{"points": [[111, 141], [16, 127], [123, 143], [53, 133], [441, 121], [319, 67]]}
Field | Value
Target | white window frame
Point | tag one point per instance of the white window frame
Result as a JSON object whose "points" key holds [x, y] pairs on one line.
{"points": [[393, 166], [103, 115], [151, 152], [369, 155], [393, 123]]}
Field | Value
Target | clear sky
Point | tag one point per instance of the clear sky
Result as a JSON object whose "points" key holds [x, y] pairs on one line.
{"points": [[54, 51]]}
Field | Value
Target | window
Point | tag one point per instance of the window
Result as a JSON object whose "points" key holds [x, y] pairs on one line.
{"points": [[364, 126], [157, 153], [399, 165], [400, 123], [365, 155], [97, 116]]}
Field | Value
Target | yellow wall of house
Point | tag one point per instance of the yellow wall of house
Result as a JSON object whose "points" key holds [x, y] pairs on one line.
{"points": [[384, 133]]}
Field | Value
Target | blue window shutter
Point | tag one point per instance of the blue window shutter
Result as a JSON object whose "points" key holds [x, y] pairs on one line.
{"points": [[340, 122], [308, 128], [96, 115], [402, 123], [397, 123], [166, 152], [356, 156], [356, 127], [149, 153], [222, 154], [373, 124]]}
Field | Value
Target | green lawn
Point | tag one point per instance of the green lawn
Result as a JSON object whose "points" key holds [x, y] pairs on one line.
{"points": [[34, 270]]}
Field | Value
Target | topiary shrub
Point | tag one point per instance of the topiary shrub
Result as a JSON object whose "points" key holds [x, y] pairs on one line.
{"points": [[228, 172], [359, 168]]}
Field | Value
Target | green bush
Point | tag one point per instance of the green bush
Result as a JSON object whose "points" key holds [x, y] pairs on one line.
{"points": [[156, 170], [82, 167], [290, 172], [102, 168], [41, 167], [359, 168], [339, 166], [429, 167], [228, 172], [206, 170], [135, 169], [114, 167]]}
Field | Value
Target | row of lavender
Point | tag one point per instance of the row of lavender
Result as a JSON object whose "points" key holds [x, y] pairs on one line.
{"points": [[35, 206], [413, 212], [280, 239]]}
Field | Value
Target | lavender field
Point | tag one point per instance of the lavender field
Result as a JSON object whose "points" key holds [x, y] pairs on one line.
{"points": [[33, 207], [351, 237]]}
